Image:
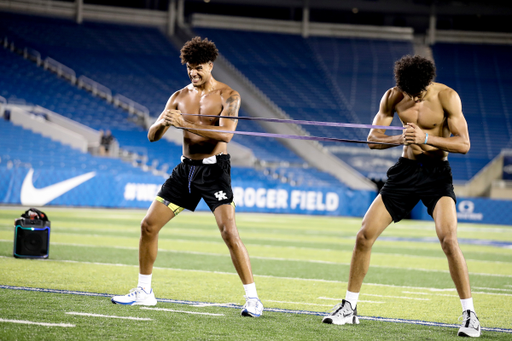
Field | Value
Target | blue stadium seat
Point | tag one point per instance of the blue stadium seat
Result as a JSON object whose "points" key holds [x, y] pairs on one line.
{"points": [[482, 75]]}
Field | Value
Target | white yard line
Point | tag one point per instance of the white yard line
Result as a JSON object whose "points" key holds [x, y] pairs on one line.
{"points": [[202, 305], [293, 260], [494, 288], [364, 294], [182, 311], [280, 258], [300, 303], [110, 316], [400, 297], [276, 277], [427, 293], [38, 323], [358, 301]]}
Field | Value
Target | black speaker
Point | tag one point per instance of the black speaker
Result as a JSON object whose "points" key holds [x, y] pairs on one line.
{"points": [[31, 238]]}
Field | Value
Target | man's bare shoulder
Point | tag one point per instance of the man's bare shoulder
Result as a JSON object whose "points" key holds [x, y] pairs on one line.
{"points": [[444, 92], [393, 96], [226, 91], [395, 92]]}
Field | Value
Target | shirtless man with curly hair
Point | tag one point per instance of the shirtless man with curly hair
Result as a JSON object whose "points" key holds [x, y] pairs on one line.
{"points": [[434, 126], [203, 173]]}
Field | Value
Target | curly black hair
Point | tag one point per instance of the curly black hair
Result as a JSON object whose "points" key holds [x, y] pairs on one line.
{"points": [[197, 51], [413, 74]]}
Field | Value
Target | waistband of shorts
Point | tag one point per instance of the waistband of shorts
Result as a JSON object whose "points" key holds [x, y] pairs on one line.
{"points": [[424, 162], [207, 161]]}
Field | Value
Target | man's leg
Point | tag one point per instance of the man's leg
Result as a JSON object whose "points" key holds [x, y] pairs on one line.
{"points": [[375, 221], [156, 217], [445, 217], [225, 217]]}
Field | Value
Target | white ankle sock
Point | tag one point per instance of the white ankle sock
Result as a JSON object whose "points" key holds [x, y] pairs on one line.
{"points": [[352, 297], [250, 290], [467, 304], [145, 282]]}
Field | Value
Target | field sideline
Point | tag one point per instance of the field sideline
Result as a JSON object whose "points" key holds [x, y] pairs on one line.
{"points": [[300, 264]]}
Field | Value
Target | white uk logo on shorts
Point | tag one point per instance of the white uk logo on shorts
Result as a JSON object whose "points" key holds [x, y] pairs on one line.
{"points": [[220, 195]]}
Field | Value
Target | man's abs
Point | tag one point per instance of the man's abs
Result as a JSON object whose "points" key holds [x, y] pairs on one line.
{"points": [[418, 152]]}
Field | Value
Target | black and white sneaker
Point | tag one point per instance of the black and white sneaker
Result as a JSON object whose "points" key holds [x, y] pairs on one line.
{"points": [[342, 314], [252, 307], [470, 324]]}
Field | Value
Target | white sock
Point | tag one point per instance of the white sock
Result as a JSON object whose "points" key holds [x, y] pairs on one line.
{"points": [[250, 290], [352, 297], [145, 282], [467, 304]]}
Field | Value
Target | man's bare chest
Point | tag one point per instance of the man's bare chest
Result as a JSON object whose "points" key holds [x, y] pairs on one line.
{"points": [[426, 114], [201, 105]]}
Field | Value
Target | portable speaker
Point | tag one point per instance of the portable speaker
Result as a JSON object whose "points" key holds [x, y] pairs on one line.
{"points": [[31, 238]]}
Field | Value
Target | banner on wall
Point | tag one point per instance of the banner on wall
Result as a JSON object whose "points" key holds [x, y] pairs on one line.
{"points": [[31, 187]]}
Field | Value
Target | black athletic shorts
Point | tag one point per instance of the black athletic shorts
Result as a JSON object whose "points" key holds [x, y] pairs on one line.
{"points": [[410, 181], [192, 180]]}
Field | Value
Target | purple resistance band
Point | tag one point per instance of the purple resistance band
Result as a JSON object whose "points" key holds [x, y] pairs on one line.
{"points": [[293, 137], [311, 123], [297, 137]]}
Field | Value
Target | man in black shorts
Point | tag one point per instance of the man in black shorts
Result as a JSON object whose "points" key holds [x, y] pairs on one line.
{"points": [[434, 125], [203, 173]]}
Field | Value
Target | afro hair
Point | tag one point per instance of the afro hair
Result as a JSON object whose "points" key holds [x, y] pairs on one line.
{"points": [[413, 74], [197, 51]]}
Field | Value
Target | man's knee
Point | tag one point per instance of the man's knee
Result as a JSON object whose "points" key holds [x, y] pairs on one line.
{"points": [[149, 228], [228, 231], [449, 244], [363, 240]]}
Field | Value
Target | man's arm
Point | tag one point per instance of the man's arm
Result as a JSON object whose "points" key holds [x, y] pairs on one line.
{"points": [[458, 142], [162, 124], [384, 118], [231, 105]]}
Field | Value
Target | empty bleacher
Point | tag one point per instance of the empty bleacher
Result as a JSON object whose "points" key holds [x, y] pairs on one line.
{"points": [[338, 79], [318, 78], [482, 75], [321, 79], [26, 149], [134, 61]]}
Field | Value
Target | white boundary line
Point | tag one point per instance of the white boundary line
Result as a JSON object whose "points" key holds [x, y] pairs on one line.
{"points": [[287, 311], [110, 316], [38, 323], [182, 311]]}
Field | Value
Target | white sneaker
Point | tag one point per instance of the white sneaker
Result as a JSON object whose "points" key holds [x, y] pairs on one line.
{"points": [[137, 296], [342, 314], [252, 307], [470, 324]]}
